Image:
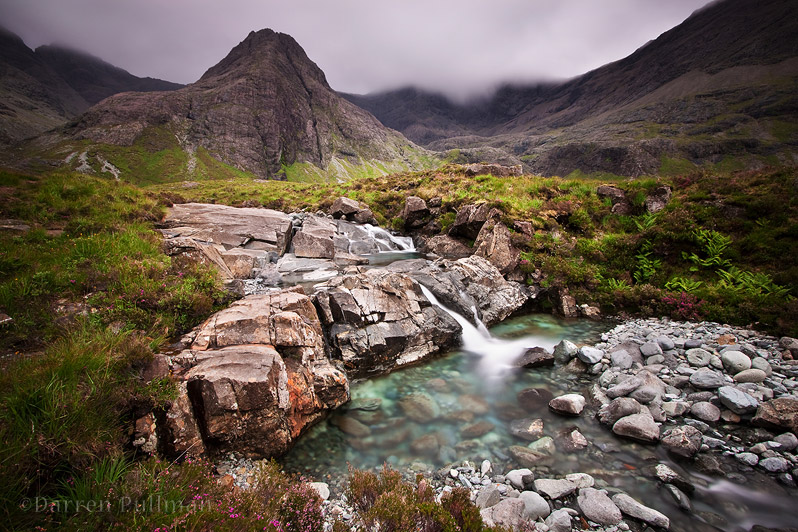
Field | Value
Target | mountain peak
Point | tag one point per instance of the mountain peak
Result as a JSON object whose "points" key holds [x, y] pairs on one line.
{"points": [[267, 53]]}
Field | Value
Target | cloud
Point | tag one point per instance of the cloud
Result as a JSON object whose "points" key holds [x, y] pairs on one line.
{"points": [[462, 48]]}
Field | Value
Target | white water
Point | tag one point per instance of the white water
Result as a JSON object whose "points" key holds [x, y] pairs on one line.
{"points": [[404, 243], [496, 354]]}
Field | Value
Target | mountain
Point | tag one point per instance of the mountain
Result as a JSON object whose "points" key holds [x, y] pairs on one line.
{"points": [[33, 98], [723, 83], [95, 79], [266, 108], [45, 88]]}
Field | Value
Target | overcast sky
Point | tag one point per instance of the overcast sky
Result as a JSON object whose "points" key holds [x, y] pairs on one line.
{"points": [[460, 47]]}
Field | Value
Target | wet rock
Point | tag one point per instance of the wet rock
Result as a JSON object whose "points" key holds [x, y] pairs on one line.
{"points": [[488, 496], [535, 357], [426, 445], [705, 411], [554, 488], [570, 440], [351, 426], [520, 478], [780, 413], [618, 408], [749, 459], [682, 500], [379, 320], [446, 247], [632, 508], [639, 427], [415, 213], [737, 400], [533, 399], [590, 355], [508, 513], [478, 429], [668, 476], [528, 428], [624, 387], [683, 441], [542, 454], [465, 284], [706, 379], [565, 351], [474, 403], [420, 407], [775, 464], [535, 506], [596, 506], [570, 404], [735, 361]]}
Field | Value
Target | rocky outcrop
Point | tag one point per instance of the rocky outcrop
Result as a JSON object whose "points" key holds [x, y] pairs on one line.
{"points": [[315, 239], [496, 170], [494, 243], [467, 285], [415, 213], [379, 320], [352, 211], [470, 219], [255, 376], [445, 247], [250, 228]]}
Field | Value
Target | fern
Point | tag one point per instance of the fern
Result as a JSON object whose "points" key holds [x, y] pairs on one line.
{"points": [[714, 244], [683, 284]]}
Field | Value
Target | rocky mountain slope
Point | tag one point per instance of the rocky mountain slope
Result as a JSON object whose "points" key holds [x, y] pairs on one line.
{"points": [[266, 109], [722, 83], [43, 89]]}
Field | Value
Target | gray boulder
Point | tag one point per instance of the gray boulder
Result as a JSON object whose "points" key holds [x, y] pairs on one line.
{"points": [[737, 400], [535, 506], [641, 427], [596, 506], [632, 508], [508, 513]]}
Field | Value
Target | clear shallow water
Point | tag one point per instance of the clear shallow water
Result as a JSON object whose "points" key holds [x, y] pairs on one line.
{"points": [[469, 390]]}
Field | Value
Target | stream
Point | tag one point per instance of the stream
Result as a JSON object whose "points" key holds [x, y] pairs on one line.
{"points": [[476, 393]]}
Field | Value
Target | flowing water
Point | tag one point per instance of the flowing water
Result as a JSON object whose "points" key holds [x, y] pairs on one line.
{"points": [[478, 393]]}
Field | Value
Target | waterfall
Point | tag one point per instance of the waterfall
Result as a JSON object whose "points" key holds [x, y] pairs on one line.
{"points": [[404, 243], [496, 355]]}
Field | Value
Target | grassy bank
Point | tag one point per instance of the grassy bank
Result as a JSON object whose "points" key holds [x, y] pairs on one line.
{"points": [[92, 296]]}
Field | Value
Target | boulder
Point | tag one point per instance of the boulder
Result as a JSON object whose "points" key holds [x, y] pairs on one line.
{"points": [[533, 457], [535, 506], [590, 355], [315, 239], [706, 379], [494, 243], [509, 514], [197, 252], [658, 198], [618, 408], [470, 219], [533, 399], [528, 428], [735, 361], [737, 400], [415, 213], [559, 520], [639, 427], [570, 404], [596, 506], [446, 247], [684, 441], [488, 496], [467, 284], [258, 374], [632, 508], [565, 351], [253, 228], [380, 320], [344, 207], [555, 488], [781, 413], [420, 407], [520, 478], [705, 411], [496, 170], [535, 357], [751, 375]]}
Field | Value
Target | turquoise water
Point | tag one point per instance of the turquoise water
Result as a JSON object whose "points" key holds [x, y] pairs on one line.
{"points": [[476, 391]]}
